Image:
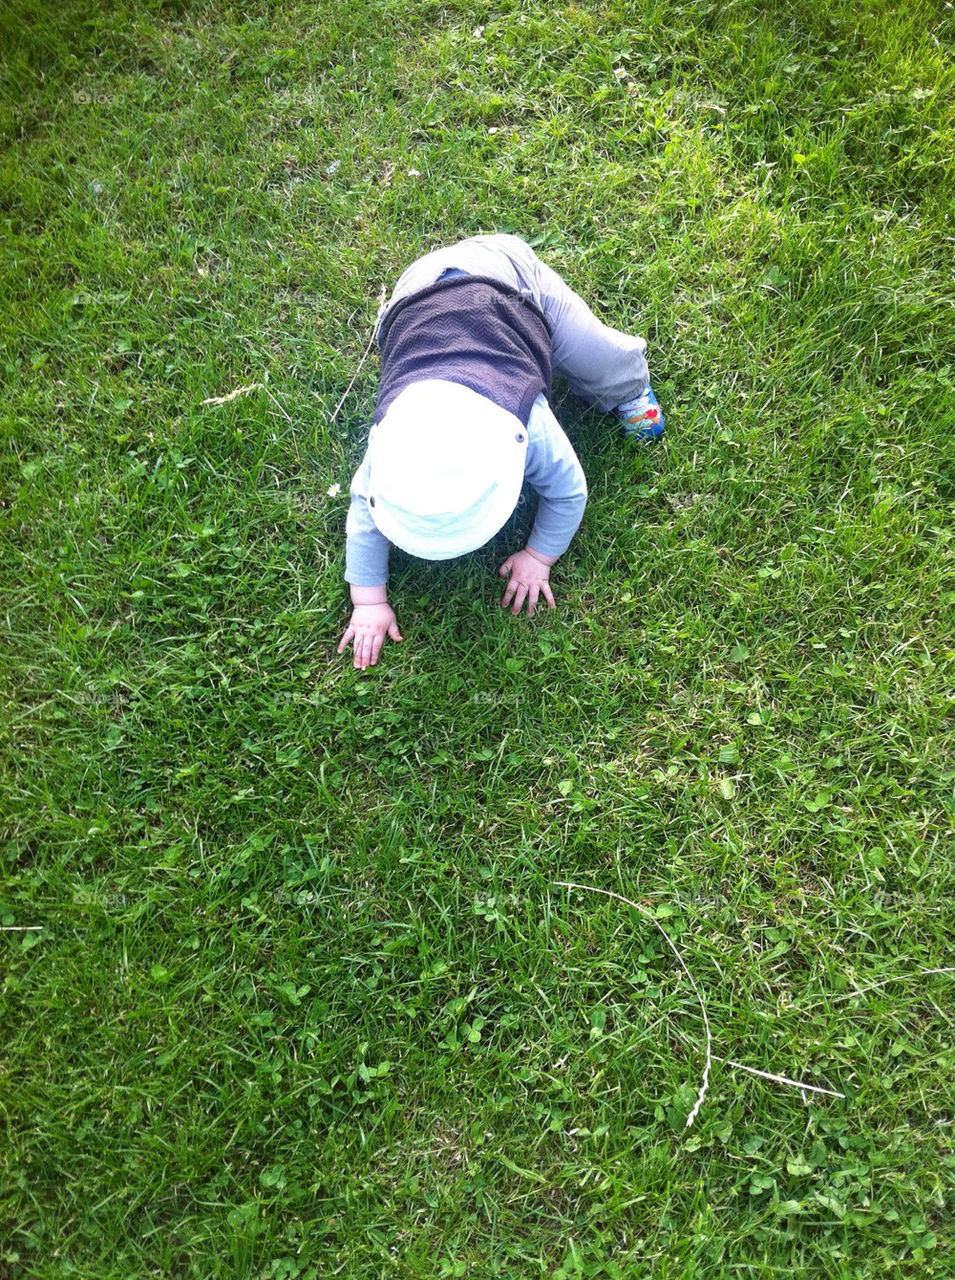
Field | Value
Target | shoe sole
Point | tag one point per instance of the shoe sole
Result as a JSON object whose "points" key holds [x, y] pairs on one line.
{"points": [[652, 431]]}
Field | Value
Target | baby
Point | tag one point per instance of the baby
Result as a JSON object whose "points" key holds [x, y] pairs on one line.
{"points": [[468, 341]]}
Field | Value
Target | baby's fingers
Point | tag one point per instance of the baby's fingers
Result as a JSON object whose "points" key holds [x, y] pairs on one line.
{"points": [[366, 654], [519, 597], [345, 639]]}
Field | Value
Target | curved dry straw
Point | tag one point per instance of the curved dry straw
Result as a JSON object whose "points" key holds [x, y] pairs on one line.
{"points": [[381, 302], [609, 893]]}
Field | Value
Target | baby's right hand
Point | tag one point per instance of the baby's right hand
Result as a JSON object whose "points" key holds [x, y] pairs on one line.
{"points": [[369, 625]]}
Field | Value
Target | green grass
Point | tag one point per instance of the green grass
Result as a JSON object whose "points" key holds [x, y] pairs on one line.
{"points": [[288, 989]]}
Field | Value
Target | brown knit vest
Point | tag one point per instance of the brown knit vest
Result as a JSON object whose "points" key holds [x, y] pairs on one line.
{"points": [[471, 330]]}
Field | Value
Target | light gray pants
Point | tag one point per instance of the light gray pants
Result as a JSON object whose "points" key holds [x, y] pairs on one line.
{"points": [[602, 365]]}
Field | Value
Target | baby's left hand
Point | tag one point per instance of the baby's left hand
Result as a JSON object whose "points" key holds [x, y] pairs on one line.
{"points": [[527, 574]]}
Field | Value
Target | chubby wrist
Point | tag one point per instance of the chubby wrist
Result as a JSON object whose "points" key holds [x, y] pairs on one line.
{"points": [[369, 595], [540, 557]]}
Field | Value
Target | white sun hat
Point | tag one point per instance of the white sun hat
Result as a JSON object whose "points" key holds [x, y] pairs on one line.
{"points": [[447, 465]]}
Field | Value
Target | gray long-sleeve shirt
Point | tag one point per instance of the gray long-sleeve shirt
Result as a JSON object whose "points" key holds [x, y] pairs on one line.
{"points": [[551, 468]]}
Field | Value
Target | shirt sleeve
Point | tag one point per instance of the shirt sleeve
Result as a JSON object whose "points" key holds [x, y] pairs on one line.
{"points": [[366, 547], [554, 471]]}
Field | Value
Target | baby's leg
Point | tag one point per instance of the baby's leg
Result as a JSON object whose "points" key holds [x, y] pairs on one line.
{"points": [[602, 365]]}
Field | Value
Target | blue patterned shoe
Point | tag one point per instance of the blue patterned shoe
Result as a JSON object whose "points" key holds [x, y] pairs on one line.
{"points": [[641, 419]]}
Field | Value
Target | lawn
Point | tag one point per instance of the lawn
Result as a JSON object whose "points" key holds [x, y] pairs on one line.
{"points": [[290, 984]]}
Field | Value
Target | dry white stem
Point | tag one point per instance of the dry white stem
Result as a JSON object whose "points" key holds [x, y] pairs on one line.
{"points": [[382, 294], [20, 928], [234, 395], [276, 403], [768, 1075], [609, 893]]}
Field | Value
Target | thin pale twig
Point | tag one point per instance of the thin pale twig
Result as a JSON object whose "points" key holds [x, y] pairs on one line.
{"points": [[276, 403], [381, 299], [768, 1075], [609, 893]]}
